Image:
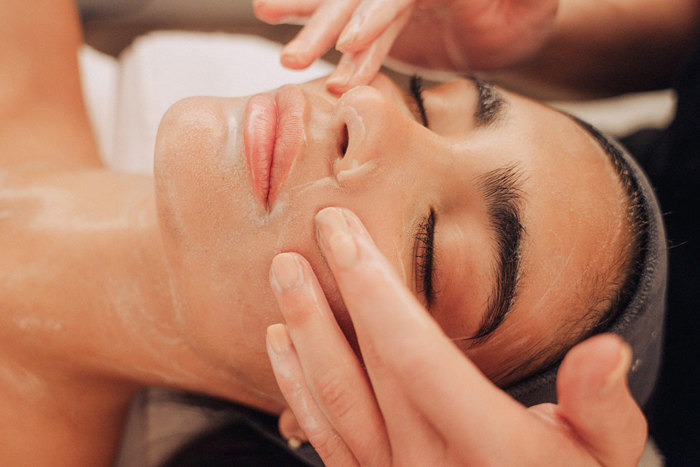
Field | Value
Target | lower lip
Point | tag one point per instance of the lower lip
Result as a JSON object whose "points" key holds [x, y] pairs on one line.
{"points": [[273, 135]]}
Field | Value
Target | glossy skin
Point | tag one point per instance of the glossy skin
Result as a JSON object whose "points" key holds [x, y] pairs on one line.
{"points": [[92, 311], [219, 240], [110, 286], [416, 400]]}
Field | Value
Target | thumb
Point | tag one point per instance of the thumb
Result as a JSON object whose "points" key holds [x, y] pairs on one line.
{"points": [[595, 400], [290, 429]]}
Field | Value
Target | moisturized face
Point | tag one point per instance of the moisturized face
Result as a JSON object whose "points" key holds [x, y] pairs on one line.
{"points": [[502, 214]]}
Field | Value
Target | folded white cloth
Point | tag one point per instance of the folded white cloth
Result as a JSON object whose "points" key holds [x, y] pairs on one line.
{"points": [[127, 97]]}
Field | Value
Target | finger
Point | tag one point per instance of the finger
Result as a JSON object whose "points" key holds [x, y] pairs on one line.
{"points": [[595, 400], [361, 67], [284, 11], [414, 441], [336, 379], [290, 429], [369, 21], [433, 372], [290, 379], [331, 370], [319, 34]]}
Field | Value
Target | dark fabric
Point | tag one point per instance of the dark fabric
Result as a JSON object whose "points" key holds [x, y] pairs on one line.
{"points": [[672, 161], [243, 436]]}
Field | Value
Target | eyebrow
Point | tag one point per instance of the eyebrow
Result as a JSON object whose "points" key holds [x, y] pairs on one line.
{"points": [[503, 196], [490, 103]]}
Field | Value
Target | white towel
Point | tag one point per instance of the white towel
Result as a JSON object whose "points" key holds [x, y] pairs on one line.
{"points": [[127, 97]]}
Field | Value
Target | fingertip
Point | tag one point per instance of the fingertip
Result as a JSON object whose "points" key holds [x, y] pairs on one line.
{"points": [[347, 38], [333, 88], [286, 272], [264, 12], [278, 341], [290, 430], [336, 86], [338, 81], [293, 62], [294, 56], [595, 400], [588, 367]]}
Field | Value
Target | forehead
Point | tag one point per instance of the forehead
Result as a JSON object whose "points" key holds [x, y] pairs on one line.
{"points": [[572, 215]]}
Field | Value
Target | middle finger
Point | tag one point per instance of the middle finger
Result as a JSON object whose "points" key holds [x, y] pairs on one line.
{"points": [[319, 34], [332, 371]]}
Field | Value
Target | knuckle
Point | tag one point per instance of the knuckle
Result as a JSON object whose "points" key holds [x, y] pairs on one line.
{"points": [[299, 309], [334, 393]]}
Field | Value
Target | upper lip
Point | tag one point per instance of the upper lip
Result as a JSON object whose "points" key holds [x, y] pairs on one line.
{"points": [[274, 133]]}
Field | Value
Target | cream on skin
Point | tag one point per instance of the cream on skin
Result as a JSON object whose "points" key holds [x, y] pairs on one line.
{"points": [[393, 171], [111, 286]]}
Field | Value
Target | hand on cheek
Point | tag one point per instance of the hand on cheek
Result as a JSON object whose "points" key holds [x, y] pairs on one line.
{"points": [[421, 401]]}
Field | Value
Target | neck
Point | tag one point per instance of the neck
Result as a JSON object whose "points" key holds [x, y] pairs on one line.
{"points": [[89, 315]]}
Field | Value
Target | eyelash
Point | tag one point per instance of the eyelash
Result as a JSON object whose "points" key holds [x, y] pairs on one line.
{"points": [[424, 259], [423, 251], [416, 88]]}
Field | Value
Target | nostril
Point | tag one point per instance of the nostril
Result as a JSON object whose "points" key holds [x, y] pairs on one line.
{"points": [[343, 143]]}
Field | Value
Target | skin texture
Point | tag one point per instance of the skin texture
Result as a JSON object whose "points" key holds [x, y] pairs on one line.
{"points": [[417, 400], [168, 287], [573, 200], [109, 286]]}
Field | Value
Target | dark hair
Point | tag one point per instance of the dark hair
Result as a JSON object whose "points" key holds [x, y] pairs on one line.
{"points": [[244, 438]]}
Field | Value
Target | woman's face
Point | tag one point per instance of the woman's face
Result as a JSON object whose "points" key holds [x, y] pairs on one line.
{"points": [[444, 204]]}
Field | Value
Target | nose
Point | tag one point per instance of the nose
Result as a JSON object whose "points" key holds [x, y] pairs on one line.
{"points": [[375, 127]]}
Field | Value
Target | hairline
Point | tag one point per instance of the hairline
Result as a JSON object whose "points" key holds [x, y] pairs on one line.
{"points": [[632, 256]]}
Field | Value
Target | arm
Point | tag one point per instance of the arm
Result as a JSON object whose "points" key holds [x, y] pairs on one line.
{"points": [[40, 95], [610, 47], [599, 47]]}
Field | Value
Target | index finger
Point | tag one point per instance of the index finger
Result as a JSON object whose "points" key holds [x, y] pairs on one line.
{"points": [[438, 378]]}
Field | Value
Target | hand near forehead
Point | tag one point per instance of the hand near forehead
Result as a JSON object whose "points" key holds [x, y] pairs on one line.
{"points": [[421, 401], [454, 35]]}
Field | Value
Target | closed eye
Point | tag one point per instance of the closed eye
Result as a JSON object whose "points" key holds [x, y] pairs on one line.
{"points": [[417, 93], [424, 258]]}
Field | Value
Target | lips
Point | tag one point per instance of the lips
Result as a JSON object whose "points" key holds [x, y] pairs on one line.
{"points": [[273, 135]]}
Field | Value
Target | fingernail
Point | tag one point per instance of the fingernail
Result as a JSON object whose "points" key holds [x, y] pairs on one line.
{"points": [[286, 272], [291, 49], [616, 376], [329, 221], [348, 35], [278, 339], [334, 234], [342, 74], [294, 443], [292, 52]]}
